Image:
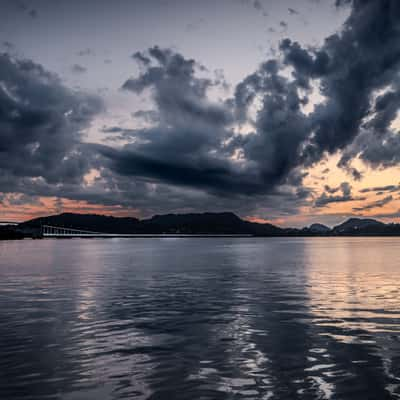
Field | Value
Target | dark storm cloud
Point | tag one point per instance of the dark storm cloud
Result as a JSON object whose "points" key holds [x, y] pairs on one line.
{"points": [[187, 144], [352, 65], [201, 173], [330, 196], [375, 204], [280, 125], [40, 124], [193, 140], [292, 11]]}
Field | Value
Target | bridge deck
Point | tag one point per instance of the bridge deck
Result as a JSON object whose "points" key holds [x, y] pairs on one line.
{"points": [[49, 231], [139, 235]]}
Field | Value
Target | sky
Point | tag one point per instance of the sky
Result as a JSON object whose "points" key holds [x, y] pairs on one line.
{"points": [[280, 111]]}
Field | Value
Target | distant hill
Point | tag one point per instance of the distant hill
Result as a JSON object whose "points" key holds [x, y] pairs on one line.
{"points": [[365, 227], [88, 222], [317, 229], [205, 223], [358, 225], [216, 223], [202, 223]]}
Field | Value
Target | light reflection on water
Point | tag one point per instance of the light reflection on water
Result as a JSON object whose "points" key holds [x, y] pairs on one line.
{"points": [[307, 318]]}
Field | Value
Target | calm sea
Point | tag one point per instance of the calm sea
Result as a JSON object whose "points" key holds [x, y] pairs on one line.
{"points": [[205, 318]]}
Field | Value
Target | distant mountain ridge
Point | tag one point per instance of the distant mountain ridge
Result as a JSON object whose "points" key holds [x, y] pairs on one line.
{"points": [[204, 223], [355, 225], [318, 228]]}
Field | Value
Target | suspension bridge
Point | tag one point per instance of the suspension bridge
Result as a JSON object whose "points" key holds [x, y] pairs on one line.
{"points": [[49, 231], [59, 231]]}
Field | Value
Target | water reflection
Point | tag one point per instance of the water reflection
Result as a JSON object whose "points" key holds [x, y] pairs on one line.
{"points": [[200, 319], [355, 307]]}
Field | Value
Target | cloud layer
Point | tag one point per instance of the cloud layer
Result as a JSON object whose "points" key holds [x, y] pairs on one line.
{"points": [[41, 124], [248, 150]]}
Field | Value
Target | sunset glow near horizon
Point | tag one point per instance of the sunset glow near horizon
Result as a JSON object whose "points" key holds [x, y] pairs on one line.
{"points": [[280, 111]]}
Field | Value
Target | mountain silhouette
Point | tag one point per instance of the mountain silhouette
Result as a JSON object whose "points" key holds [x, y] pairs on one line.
{"points": [[203, 223]]}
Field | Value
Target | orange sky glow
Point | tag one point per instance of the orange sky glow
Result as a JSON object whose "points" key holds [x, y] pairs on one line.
{"points": [[307, 214]]}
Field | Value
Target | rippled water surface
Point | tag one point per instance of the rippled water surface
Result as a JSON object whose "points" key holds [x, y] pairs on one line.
{"points": [[214, 318]]}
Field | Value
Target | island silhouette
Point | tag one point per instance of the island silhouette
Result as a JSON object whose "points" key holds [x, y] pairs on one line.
{"points": [[223, 223]]}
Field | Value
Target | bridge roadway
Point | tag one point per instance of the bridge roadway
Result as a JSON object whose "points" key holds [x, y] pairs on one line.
{"points": [[49, 231]]}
